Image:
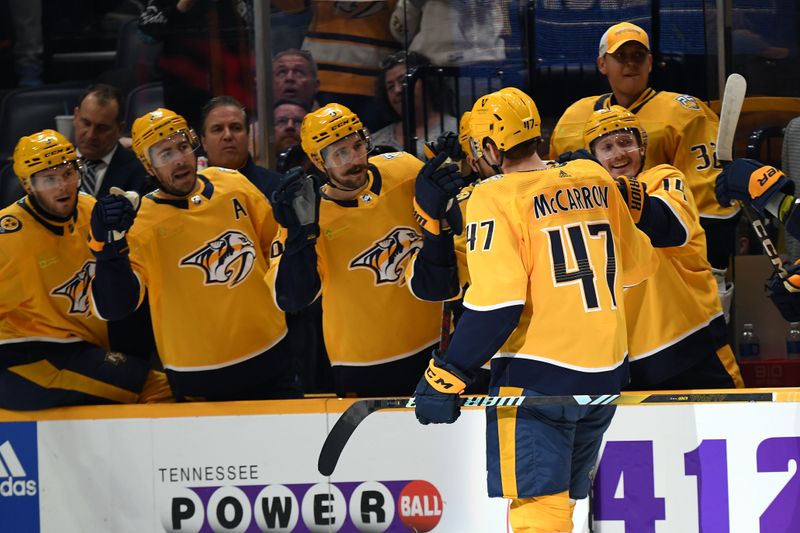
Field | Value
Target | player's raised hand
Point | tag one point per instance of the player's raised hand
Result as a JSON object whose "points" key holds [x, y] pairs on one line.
{"points": [[634, 192], [295, 206], [436, 187], [751, 181], [437, 396], [577, 154], [113, 215], [448, 143]]}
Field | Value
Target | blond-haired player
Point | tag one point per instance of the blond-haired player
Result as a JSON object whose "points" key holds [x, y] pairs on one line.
{"points": [[677, 335]]}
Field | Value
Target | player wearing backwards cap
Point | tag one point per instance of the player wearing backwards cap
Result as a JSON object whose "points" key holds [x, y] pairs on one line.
{"points": [[199, 247], [351, 240], [689, 348], [53, 350], [769, 192], [682, 132], [546, 259]]}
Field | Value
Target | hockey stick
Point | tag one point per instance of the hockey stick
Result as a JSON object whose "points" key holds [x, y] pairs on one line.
{"points": [[344, 427], [735, 89]]}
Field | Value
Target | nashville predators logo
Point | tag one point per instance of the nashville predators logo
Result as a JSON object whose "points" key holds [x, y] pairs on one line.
{"points": [[228, 259], [76, 289], [9, 224], [386, 257]]}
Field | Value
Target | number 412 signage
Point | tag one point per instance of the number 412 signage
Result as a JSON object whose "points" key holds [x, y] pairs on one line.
{"points": [[733, 493]]}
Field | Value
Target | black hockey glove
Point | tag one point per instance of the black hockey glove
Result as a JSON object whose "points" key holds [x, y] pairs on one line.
{"points": [[435, 192], [634, 192], [577, 154], [438, 393], [448, 143], [753, 182], [112, 216], [786, 294], [295, 206]]}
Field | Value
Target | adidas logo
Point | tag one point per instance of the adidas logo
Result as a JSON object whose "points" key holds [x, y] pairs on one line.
{"points": [[11, 468]]}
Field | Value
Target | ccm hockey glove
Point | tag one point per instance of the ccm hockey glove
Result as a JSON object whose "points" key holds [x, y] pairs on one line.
{"points": [[753, 182], [437, 396], [435, 190], [295, 206]]}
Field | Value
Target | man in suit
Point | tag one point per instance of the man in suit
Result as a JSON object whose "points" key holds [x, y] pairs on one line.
{"points": [[97, 125]]}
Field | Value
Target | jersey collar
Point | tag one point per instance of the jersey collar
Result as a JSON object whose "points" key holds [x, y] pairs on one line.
{"points": [[374, 187], [53, 224], [183, 203], [607, 100]]}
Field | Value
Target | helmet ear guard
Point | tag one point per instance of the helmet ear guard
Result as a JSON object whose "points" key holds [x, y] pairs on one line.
{"points": [[40, 151], [155, 126]]}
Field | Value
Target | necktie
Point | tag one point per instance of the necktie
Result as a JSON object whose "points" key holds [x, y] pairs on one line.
{"points": [[89, 182]]}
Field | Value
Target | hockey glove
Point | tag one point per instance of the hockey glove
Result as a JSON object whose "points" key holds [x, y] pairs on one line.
{"points": [[437, 396], [112, 216], [753, 182], [634, 192], [448, 143], [295, 206], [577, 154], [436, 188], [784, 294]]}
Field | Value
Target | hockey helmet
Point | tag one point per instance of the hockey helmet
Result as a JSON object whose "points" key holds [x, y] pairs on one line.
{"points": [[508, 117], [40, 151], [155, 126], [325, 126]]}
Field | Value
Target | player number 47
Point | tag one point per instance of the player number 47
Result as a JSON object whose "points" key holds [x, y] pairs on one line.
{"points": [[480, 230]]}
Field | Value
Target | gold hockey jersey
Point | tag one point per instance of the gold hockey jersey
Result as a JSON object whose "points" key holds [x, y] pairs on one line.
{"points": [[670, 313], [203, 261], [369, 316], [681, 131], [45, 271], [561, 242]]}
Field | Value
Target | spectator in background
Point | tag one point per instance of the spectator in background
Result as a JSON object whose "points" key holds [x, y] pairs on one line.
{"points": [[452, 32], [206, 52], [288, 116], [55, 351], [97, 125], [348, 41], [294, 77], [225, 141], [430, 116], [26, 16]]}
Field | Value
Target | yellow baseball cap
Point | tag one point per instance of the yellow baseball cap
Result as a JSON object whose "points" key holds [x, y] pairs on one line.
{"points": [[619, 34]]}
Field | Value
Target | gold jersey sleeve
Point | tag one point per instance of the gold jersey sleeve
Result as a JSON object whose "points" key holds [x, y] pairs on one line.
{"points": [[561, 243], [45, 272], [681, 131], [203, 260], [681, 297], [365, 245]]}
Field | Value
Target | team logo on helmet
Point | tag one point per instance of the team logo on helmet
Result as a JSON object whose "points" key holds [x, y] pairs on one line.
{"points": [[76, 289], [386, 256], [9, 224], [227, 259]]}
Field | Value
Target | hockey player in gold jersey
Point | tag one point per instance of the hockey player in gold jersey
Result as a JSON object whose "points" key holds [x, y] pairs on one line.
{"points": [[682, 132], [53, 350], [677, 337], [546, 259], [199, 247], [350, 242]]}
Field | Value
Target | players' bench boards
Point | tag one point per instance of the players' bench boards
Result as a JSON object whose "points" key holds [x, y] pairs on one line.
{"points": [[252, 466]]}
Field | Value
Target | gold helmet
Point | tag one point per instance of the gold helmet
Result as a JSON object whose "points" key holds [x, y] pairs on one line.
{"points": [[615, 118], [154, 126], [464, 133], [40, 151], [325, 126], [508, 117]]}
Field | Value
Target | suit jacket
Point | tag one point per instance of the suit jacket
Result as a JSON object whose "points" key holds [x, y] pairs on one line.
{"points": [[126, 172]]}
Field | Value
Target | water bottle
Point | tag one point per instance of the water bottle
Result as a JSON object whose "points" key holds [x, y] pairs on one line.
{"points": [[793, 341], [749, 343]]}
